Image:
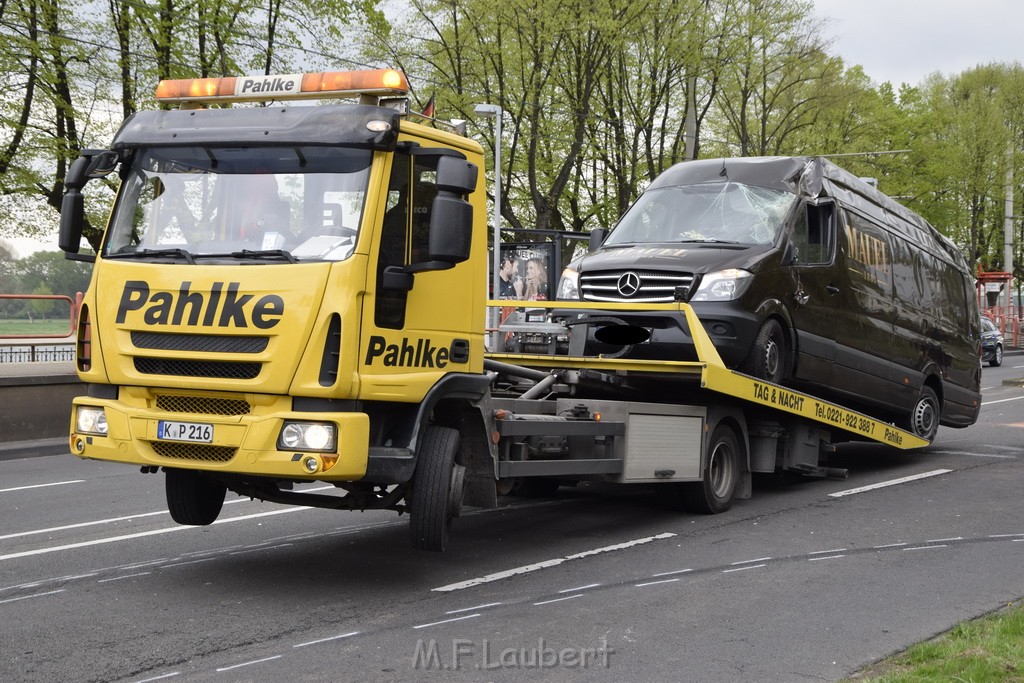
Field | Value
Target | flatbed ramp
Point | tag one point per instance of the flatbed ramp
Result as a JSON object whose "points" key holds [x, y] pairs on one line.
{"points": [[708, 370]]}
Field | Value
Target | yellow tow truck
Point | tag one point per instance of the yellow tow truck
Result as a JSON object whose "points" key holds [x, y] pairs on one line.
{"points": [[289, 294]]}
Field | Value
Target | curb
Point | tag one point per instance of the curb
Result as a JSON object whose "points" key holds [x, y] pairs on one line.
{"points": [[15, 450]]}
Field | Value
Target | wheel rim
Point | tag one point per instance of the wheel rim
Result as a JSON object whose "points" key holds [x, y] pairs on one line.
{"points": [[771, 359], [924, 418], [721, 470], [999, 355]]}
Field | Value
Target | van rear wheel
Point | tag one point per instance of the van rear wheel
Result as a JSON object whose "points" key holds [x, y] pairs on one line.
{"points": [[924, 418], [769, 356]]}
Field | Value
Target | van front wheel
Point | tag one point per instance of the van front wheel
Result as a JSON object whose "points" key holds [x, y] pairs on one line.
{"points": [[769, 357]]}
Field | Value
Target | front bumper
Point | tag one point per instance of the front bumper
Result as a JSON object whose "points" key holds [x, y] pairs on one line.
{"points": [[242, 443]]}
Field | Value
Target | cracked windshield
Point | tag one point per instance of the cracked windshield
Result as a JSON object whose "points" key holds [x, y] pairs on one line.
{"points": [[732, 213]]}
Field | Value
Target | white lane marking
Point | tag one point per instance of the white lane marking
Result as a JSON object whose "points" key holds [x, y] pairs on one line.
{"points": [[580, 588], [1004, 535], [1002, 400], [187, 562], [448, 621], [674, 571], [891, 482], [261, 547], [975, 455], [945, 540], [889, 545], [497, 576], [110, 520], [741, 569], [760, 559], [126, 576], [826, 552], [255, 661], [654, 583], [34, 595], [39, 486], [567, 597], [473, 609], [141, 534], [159, 678], [925, 547], [826, 557], [327, 640]]}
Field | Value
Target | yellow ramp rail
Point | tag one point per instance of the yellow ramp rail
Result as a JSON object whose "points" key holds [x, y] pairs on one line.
{"points": [[713, 375]]}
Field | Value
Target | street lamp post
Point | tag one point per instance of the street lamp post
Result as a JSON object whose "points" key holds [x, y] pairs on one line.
{"points": [[494, 111]]}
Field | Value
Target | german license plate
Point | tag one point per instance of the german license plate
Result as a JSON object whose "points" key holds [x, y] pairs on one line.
{"points": [[197, 432]]}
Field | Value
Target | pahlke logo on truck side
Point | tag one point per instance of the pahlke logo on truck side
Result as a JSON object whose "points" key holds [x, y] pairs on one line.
{"points": [[219, 308], [419, 353]]}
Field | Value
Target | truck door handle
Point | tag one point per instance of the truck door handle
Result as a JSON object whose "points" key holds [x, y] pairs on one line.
{"points": [[832, 290]]}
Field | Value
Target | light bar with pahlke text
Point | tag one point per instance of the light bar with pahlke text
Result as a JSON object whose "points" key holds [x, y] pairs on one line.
{"points": [[376, 82]]}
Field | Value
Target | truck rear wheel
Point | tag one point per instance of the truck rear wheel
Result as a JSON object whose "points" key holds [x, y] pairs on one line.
{"points": [[436, 489], [721, 474], [192, 497]]}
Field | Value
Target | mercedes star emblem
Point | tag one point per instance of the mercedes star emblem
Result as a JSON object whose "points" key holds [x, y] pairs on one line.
{"points": [[629, 284]]}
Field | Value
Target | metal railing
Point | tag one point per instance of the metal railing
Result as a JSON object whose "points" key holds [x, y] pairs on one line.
{"points": [[51, 347]]}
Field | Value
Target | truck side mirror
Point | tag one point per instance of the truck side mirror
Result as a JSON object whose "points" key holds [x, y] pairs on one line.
{"points": [[93, 163], [451, 216]]}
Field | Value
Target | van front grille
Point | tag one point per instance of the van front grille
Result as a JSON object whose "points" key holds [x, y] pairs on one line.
{"points": [[638, 286], [193, 451]]}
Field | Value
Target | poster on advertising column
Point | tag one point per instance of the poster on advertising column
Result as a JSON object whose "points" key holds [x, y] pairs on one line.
{"points": [[525, 271]]}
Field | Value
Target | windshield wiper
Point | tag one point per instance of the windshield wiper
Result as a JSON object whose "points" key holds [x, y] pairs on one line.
{"points": [[155, 252], [709, 240], [265, 253]]}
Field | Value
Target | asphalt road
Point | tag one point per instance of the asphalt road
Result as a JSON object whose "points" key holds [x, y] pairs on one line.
{"points": [[797, 583]]}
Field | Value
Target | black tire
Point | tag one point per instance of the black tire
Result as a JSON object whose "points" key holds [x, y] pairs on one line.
{"points": [[721, 474], [997, 356], [535, 487], [924, 417], [192, 497], [769, 356], [436, 494]]}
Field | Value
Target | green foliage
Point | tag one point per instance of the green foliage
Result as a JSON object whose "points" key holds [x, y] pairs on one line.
{"points": [[987, 649]]}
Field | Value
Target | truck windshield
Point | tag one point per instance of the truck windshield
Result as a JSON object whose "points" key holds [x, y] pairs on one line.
{"points": [[727, 212], [300, 203]]}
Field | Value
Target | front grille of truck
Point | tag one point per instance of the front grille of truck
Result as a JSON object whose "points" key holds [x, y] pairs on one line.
{"points": [[193, 451], [638, 286], [187, 367], [202, 405], [199, 343]]}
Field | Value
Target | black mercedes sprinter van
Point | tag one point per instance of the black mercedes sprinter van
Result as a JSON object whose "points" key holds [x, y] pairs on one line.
{"points": [[802, 274]]}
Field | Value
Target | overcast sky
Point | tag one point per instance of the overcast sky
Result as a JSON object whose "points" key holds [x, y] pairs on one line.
{"points": [[903, 41]]}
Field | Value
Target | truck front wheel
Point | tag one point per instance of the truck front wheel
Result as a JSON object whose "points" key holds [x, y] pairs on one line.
{"points": [[436, 495], [192, 497]]}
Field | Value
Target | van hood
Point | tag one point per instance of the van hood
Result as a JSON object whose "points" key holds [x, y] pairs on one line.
{"points": [[689, 258]]}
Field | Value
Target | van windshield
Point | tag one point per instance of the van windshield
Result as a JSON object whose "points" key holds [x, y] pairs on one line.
{"points": [[201, 202], [728, 212]]}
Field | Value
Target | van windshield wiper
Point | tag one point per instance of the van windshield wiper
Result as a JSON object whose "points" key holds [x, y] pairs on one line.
{"points": [[265, 253], [189, 258], [709, 240]]}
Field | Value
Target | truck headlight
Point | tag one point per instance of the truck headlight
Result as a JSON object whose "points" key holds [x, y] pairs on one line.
{"points": [[569, 286], [89, 420], [723, 285], [307, 436]]}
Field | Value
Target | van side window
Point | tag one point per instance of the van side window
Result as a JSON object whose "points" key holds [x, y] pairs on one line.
{"points": [[814, 234]]}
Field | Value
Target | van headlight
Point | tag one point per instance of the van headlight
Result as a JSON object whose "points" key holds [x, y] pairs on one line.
{"points": [[89, 420], [723, 285], [307, 436], [569, 286]]}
